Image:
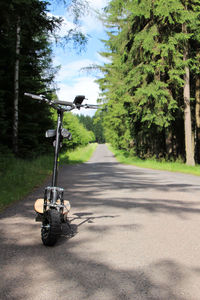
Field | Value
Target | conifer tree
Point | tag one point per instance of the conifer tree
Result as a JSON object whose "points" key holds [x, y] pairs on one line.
{"points": [[147, 73], [27, 57]]}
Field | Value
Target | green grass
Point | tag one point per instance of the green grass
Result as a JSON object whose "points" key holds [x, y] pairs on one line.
{"points": [[125, 158], [19, 177], [79, 155]]}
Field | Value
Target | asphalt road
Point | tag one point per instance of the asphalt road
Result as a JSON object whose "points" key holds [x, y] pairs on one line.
{"points": [[136, 236]]}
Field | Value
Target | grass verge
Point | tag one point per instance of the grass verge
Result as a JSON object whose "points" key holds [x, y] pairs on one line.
{"points": [[19, 177], [79, 155], [125, 158]]}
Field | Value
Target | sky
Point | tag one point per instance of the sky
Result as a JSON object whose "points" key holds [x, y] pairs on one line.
{"points": [[70, 79]]}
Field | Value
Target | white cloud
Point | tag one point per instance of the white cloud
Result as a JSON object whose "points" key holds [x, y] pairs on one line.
{"points": [[73, 70], [70, 80], [90, 24], [90, 21], [98, 4], [65, 27], [66, 24], [102, 59]]}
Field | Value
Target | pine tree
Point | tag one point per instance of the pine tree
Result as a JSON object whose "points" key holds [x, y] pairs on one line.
{"points": [[16, 87], [147, 46], [27, 57]]}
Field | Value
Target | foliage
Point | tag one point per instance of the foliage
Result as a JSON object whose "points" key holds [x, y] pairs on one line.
{"points": [[80, 135], [36, 72], [142, 86], [172, 166], [18, 177], [94, 124], [79, 155]]}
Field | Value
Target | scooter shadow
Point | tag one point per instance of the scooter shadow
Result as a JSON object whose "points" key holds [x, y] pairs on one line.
{"points": [[69, 229]]}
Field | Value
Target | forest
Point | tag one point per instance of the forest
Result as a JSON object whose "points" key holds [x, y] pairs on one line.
{"points": [[150, 85], [26, 33]]}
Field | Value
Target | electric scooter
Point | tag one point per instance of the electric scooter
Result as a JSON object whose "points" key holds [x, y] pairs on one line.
{"points": [[52, 210]]}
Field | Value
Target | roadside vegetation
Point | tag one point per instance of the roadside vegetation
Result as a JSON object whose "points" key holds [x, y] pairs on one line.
{"points": [[79, 155], [27, 31], [151, 82], [18, 177], [152, 163], [150, 89]]}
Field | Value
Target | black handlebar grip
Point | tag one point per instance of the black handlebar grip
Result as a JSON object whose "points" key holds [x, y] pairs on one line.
{"points": [[64, 103], [33, 96]]}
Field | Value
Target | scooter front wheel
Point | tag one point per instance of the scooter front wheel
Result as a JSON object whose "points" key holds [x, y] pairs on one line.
{"points": [[51, 227]]}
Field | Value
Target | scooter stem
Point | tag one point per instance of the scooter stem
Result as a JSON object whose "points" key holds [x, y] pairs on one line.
{"points": [[57, 147]]}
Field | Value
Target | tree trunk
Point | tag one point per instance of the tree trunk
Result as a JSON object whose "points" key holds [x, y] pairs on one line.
{"points": [[168, 142], [187, 111], [16, 88], [197, 117]]}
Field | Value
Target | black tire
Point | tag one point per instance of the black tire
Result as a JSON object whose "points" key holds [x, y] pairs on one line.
{"points": [[51, 227]]}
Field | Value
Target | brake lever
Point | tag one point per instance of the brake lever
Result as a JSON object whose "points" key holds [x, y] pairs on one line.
{"points": [[92, 106]]}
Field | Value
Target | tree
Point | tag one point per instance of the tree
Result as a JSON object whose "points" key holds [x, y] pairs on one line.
{"points": [[24, 48], [16, 87], [143, 85], [80, 135], [26, 57], [94, 124], [187, 111]]}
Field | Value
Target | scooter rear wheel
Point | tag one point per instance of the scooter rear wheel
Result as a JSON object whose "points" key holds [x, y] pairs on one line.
{"points": [[51, 227]]}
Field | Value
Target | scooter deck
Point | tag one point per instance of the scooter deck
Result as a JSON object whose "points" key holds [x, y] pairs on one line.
{"points": [[39, 206]]}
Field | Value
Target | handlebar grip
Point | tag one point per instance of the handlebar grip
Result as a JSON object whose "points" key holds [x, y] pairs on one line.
{"points": [[33, 96], [65, 103], [92, 106]]}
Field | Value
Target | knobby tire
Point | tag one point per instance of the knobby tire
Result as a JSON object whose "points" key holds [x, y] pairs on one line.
{"points": [[52, 222]]}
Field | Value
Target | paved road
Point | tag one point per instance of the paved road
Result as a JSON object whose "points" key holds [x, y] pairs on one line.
{"points": [[137, 237]]}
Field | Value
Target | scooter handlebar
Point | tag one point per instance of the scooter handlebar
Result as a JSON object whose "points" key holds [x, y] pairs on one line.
{"points": [[91, 106], [65, 103], [33, 96], [61, 103]]}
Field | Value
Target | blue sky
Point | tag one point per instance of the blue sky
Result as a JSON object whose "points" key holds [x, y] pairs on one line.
{"points": [[70, 80]]}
